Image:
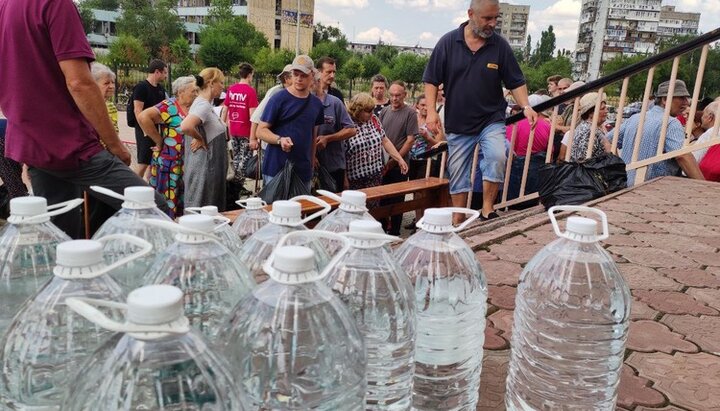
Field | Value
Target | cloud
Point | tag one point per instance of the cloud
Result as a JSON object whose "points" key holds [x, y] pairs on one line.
{"points": [[355, 4], [426, 5], [328, 20], [426, 35], [374, 34], [564, 16], [460, 18]]}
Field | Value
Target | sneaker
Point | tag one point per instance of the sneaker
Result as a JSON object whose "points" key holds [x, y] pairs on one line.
{"points": [[490, 216]]}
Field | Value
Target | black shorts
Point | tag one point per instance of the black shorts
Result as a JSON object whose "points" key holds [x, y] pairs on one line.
{"points": [[144, 146]]}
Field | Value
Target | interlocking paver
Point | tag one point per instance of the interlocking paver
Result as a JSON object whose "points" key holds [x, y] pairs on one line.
{"points": [[502, 296], [622, 205], [672, 302], [639, 277], [652, 257], [644, 228], [701, 219], [686, 229], [671, 242], [713, 241], [704, 258], [492, 380], [693, 277], [484, 255], [687, 380], [668, 408], [703, 331], [501, 272], [641, 311], [622, 239], [709, 296], [503, 321], [493, 340], [649, 336], [634, 391], [648, 217], [623, 217], [542, 237], [520, 254]]}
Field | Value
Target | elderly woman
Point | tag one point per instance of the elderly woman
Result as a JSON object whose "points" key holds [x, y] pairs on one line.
{"points": [[581, 139], [105, 79], [166, 165], [364, 151], [205, 145]]}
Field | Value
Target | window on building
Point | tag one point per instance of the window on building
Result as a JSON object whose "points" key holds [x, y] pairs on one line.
{"points": [[277, 44]]}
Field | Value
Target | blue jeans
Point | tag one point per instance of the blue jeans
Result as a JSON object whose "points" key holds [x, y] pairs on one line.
{"points": [[460, 155]]}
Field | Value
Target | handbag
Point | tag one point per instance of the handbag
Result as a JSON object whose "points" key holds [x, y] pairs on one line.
{"points": [[252, 166], [575, 183], [230, 173]]}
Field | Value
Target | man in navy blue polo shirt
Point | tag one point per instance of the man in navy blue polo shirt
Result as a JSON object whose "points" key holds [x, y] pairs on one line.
{"points": [[473, 63]]}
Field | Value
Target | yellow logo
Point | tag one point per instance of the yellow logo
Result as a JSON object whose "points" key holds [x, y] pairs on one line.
{"points": [[492, 66]]}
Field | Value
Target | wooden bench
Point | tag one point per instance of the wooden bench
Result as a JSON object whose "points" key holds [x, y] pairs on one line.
{"points": [[435, 193]]}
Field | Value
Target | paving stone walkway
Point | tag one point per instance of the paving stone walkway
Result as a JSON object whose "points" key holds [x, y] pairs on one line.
{"points": [[665, 237]]}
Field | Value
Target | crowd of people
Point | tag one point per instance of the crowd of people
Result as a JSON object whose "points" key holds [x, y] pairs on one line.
{"points": [[193, 141]]}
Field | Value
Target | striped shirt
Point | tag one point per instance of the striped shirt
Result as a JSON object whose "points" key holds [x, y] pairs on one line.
{"points": [[649, 143]]}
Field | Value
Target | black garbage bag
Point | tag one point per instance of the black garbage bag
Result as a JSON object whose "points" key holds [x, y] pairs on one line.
{"points": [[323, 180], [577, 183], [252, 167], [284, 186]]}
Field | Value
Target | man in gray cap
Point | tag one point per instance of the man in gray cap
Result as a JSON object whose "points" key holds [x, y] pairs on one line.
{"points": [[285, 79], [650, 135]]}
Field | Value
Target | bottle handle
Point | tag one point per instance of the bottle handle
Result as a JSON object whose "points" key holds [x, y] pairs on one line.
{"points": [[87, 307], [55, 209], [267, 266], [338, 198], [169, 225], [220, 219], [385, 238], [243, 203], [556, 227], [325, 207], [145, 248], [107, 192]]}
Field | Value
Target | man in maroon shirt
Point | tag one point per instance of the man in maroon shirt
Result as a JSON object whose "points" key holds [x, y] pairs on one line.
{"points": [[56, 113]]}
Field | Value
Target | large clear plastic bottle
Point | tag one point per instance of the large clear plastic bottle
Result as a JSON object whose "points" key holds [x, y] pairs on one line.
{"points": [[211, 276], [285, 217], [252, 219], [351, 207], [27, 251], [156, 362], [450, 296], [381, 298], [138, 206], [292, 343], [571, 320], [228, 237], [46, 341]]}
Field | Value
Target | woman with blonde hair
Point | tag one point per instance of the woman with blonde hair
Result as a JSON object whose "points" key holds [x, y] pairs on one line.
{"points": [[364, 151], [205, 145]]}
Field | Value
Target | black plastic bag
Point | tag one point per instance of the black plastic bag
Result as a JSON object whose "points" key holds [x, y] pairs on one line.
{"points": [[323, 180], [577, 183], [252, 167], [284, 186]]}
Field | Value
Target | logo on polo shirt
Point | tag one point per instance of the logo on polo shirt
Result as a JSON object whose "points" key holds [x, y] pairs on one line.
{"points": [[492, 66]]}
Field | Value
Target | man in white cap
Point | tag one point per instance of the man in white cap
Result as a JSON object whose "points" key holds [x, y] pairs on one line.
{"points": [[289, 124], [650, 135]]}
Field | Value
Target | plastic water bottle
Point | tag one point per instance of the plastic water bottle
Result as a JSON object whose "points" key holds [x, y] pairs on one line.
{"points": [[209, 274], [228, 237], [285, 217], [351, 208], [450, 296], [381, 298], [156, 362], [46, 342], [252, 219], [293, 344], [570, 325], [137, 207], [27, 251]]}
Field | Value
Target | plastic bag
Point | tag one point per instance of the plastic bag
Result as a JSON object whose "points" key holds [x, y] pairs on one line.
{"points": [[577, 183], [252, 167], [323, 180], [284, 186]]}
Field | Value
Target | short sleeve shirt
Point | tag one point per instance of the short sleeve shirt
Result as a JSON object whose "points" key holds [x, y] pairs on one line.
{"points": [[49, 132], [399, 124], [540, 138], [473, 81], [364, 150], [300, 130], [239, 99], [147, 93], [211, 127], [335, 118]]}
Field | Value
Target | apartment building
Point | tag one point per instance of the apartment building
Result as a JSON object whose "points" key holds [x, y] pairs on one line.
{"points": [[512, 24], [677, 23]]}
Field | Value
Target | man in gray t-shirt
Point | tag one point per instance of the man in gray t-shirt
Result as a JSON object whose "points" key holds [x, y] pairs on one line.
{"points": [[400, 124]]}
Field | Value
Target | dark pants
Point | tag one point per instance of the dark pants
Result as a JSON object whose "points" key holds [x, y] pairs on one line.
{"points": [[339, 179], [103, 169], [393, 176]]}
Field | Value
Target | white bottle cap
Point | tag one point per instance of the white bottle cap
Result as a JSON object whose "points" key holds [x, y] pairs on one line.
{"points": [[253, 203], [366, 226], [210, 210], [438, 217], [79, 253], [293, 265], [28, 206], [352, 200], [140, 195], [155, 304], [199, 222], [581, 226], [286, 209]]}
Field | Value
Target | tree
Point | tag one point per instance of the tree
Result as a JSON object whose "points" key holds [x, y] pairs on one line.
{"points": [[220, 49], [636, 85], [87, 16], [535, 76], [127, 50], [528, 48], [386, 53], [180, 56], [545, 48], [335, 49], [352, 69], [323, 33], [220, 10], [155, 23], [371, 65], [103, 4], [409, 67], [269, 61]]}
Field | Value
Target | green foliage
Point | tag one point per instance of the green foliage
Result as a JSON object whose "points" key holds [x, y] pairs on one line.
{"points": [[323, 33], [226, 43], [180, 56], [335, 49], [220, 10], [155, 23], [386, 53], [127, 50], [371, 65], [102, 4], [87, 16], [636, 85], [409, 67], [545, 48], [269, 61], [353, 68], [536, 76]]}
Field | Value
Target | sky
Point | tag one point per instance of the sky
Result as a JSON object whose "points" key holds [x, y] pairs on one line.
{"points": [[423, 22]]}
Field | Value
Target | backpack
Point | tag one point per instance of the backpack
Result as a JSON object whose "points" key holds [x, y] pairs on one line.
{"points": [[130, 110]]}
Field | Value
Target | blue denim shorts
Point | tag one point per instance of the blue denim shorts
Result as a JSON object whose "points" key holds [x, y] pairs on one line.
{"points": [[461, 148]]}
